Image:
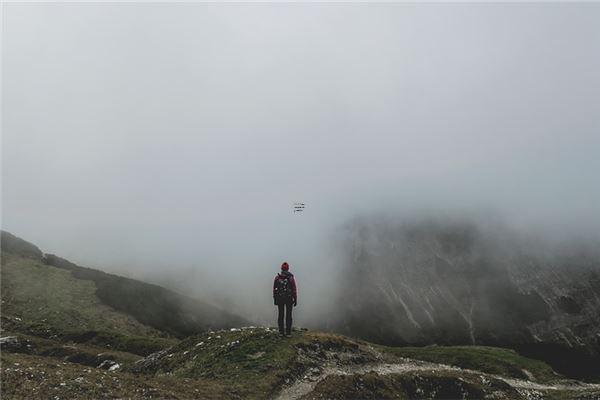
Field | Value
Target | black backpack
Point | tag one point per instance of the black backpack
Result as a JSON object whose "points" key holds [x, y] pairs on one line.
{"points": [[283, 286]]}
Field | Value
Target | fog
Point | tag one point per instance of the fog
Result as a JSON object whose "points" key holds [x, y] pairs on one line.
{"points": [[169, 142]]}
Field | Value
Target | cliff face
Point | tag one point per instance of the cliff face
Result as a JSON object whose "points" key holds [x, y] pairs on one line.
{"points": [[457, 283]]}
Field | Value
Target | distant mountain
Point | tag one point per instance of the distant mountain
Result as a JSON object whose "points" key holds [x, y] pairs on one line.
{"points": [[455, 282], [31, 278]]}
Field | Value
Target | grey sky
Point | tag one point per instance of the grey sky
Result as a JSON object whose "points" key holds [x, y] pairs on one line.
{"points": [[154, 139]]}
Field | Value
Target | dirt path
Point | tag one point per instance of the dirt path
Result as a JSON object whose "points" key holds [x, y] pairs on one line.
{"points": [[307, 383]]}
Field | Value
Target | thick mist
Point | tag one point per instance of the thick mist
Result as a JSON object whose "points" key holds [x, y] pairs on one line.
{"points": [[169, 142]]}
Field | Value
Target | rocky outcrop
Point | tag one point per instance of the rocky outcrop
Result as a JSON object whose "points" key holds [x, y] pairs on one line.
{"points": [[459, 283]]}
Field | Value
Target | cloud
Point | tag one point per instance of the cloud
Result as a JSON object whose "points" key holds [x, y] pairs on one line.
{"points": [[156, 140]]}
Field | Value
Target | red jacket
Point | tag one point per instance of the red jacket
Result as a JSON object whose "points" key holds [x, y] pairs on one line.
{"points": [[292, 283]]}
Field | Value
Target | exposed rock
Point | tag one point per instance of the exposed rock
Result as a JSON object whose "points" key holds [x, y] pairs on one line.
{"points": [[114, 367], [108, 364], [457, 283], [15, 345], [147, 364]]}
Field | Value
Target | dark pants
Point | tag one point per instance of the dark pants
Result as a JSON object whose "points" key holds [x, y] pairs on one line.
{"points": [[288, 307]]}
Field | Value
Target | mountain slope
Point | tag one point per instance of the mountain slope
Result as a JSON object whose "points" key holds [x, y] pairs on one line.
{"points": [[455, 282], [46, 292], [37, 297]]}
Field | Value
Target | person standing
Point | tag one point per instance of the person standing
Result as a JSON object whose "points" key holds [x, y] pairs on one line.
{"points": [[285, 297]]}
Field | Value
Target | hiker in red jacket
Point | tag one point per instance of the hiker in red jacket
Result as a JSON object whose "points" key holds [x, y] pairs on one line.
{"points": [[285, 296]]}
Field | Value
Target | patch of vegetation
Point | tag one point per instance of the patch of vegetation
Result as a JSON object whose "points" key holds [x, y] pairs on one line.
{"points": [[150, 304], [585, 394], [140, 345], [576, 362], [47, 295], [491, 360], [48, 301], [9, 243], [365, 386], [30, 376], [57, 352], [422, 385], [433, 385], [255, 362]]}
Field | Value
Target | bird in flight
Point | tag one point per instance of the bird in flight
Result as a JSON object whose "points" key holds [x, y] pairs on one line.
{"points": [[298, 207]]}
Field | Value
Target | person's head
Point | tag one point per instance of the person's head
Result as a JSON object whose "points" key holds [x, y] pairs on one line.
{"points": [[285, 266]]}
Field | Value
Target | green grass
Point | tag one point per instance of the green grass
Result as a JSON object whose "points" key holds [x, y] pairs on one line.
{"points": [[82, 353], [424, 385], [140, 345], [254, 362], [14, 245], [261, 362], [150, 304], [34, 377], [432, 385], [53, 295], [49, 301], [491, 360]]}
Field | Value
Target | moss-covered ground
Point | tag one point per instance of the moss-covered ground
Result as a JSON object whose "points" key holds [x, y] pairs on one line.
{"points": [[254, 362], [49, 301], [36, 377], [491, 360]]}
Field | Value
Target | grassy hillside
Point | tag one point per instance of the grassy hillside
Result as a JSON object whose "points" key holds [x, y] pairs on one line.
{"points": [[491, 360], [257, 363], [151, 304], [49, 301], [50, 293], [37, 377]]}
